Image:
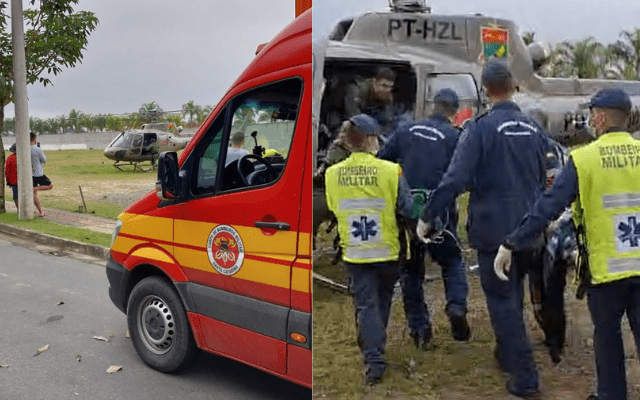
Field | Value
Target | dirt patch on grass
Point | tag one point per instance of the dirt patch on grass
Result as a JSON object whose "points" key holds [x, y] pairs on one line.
{"points": [[450, 370]]}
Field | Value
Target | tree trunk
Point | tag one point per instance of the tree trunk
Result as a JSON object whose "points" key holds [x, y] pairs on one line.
{"points": [[2, 159]]}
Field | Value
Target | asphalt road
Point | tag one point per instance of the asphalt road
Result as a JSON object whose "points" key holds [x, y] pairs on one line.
{"points": [[61, 300]]}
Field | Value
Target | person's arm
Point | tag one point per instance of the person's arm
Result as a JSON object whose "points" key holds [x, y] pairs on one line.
{"points": [[390, 151], [405, 200], [41, 156], [547, 208], [459, 175]]}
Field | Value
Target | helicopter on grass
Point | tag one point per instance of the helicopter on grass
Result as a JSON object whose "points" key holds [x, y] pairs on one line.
{"points": [[134, 147]]}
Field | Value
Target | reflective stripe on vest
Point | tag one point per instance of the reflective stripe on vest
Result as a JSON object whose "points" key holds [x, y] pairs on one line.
{"points": [[609, 188], [362, 192]]}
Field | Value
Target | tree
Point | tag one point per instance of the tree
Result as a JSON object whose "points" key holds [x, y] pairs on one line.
{"points": [[55, 38], [114, 123], [629, 50], [190, 109], [75, 119], [528, 37], [150, 112], [203, 114]]}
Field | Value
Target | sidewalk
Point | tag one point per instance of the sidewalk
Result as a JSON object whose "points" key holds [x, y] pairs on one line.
{"points": [[78, 220]]}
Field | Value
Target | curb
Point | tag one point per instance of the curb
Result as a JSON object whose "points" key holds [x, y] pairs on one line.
{"points": [[54, 241]]}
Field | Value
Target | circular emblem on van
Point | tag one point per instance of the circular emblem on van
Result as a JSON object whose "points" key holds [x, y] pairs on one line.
{"points": [[225, 250]]}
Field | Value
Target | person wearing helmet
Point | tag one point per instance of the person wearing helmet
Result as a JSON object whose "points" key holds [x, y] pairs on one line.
{"points": [[500, 159], [601, 181], [424, 150], [11, 173], [365, 193]]}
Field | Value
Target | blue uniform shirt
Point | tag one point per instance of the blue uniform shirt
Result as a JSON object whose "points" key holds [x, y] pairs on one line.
{"points": [[500, 159], [424, 149]]}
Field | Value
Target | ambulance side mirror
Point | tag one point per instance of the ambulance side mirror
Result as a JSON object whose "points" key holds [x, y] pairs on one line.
{"points": [[167, 185]]}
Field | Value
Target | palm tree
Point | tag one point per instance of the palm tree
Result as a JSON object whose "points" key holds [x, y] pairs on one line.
{"points": [[75, 119], [203, 114], [528, 37], [150, 111], [628, 48], [114, 123], [190, 109]]}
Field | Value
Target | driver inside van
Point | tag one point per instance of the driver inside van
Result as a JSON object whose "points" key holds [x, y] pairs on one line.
{"points": [[236, 147]]}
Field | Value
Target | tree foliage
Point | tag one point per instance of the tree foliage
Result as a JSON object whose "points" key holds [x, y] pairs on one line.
{"points": [[55, 38]]}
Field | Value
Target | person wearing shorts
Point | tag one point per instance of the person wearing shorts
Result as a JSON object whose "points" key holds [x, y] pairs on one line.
{"points": [[40, 180]]}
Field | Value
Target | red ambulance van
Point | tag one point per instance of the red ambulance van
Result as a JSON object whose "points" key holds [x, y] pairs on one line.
{"points": [[219, 258]]}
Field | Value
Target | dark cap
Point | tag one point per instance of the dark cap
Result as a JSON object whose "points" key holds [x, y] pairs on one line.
{"points": [[12, 148], [611, 98], [237, 137], [496, 71], [447, 97], [365, 124]]}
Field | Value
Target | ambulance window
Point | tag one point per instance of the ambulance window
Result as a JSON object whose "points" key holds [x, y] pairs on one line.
{"points": [[209, 148], [266, 117]]}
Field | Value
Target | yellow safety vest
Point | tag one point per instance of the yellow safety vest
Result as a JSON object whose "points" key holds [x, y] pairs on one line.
{"points": [[362, 192], [609, 197]]}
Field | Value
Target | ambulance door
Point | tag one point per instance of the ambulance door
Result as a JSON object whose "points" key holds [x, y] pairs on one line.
{"points": [[236, 235]]}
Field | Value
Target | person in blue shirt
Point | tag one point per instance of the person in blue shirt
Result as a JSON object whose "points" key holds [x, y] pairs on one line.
{"points": [[424, 150], [612, 280], [501, 160]]}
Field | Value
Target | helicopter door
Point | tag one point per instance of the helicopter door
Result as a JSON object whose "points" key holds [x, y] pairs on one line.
{"points": [[147, 141], [136, 144], [465, 87]]}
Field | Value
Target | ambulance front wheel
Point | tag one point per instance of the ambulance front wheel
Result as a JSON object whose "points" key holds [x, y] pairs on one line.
{"points": [[159, 327]]}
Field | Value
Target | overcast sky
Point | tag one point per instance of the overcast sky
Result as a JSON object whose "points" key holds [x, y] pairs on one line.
{"points": [[552, 20], [165, 51], [173, 52]]}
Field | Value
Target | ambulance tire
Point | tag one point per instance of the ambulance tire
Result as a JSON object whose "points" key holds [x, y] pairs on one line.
{"points": [[159, 326]]}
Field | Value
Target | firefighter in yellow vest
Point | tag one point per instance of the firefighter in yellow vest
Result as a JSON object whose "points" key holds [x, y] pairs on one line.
{"points": [[365, 194], [602, 183]]}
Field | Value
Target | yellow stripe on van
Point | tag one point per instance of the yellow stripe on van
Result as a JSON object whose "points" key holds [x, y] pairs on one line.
{"points": [[196, 234], [154, 228], [125, 245], [251, 270], [152, 254], [305, 244], [300, 279]]}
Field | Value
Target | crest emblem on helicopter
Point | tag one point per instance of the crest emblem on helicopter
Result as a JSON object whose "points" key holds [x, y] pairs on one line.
{"points": [[495, 43], [225, 250]]}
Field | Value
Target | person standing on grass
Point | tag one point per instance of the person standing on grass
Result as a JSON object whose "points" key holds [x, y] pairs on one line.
{"points": [[366, 195], [500, 159], [40, 180], [11, 173]]}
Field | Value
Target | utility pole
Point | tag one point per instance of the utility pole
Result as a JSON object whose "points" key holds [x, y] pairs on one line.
{"points": [[20, 101]]}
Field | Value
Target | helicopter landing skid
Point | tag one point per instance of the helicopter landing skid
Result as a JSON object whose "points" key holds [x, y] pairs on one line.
{"points": [[143, 166]]}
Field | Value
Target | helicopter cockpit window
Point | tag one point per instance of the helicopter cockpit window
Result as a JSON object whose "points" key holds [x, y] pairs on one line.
{"points": [[123, 140], [465, 87], [137, 141]]}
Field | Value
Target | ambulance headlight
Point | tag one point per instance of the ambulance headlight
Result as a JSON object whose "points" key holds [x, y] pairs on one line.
{"points": [[116, 231]]}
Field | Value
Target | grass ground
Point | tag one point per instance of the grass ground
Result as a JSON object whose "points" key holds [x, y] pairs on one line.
{"points": [[450, 370], [106, 191]]}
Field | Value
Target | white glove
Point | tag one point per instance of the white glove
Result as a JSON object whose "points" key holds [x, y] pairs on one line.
{"points": [[502, 263], [422, 230]]}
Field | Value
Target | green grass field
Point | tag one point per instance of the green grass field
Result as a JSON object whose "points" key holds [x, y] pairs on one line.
{"points": [[106, 190], [450, 370]]}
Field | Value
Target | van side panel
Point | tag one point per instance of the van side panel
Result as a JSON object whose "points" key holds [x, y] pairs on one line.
{"points": [[243, 345], [301, 285], [299, 362]]}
